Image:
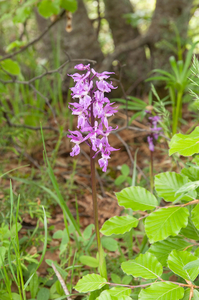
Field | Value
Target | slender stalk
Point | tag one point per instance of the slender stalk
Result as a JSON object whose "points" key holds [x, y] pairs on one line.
{"points": [[177, 111], [94, 197], [102, 262], [151, 172]]}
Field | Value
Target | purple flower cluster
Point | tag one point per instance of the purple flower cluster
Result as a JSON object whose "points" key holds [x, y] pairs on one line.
{"points": [[92, 110], [155, 131]]}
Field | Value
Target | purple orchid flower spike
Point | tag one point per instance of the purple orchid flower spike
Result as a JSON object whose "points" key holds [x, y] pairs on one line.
{"points": [[92, 110], [155, 131]]}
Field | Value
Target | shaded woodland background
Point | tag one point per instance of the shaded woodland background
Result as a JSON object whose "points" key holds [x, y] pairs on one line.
{"points": [[138, 36]]}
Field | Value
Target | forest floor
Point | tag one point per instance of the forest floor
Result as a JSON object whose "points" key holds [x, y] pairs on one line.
{"points": [[75, 183]]}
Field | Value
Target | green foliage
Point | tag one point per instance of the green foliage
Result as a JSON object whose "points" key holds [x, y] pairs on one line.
{"points": [[145, 265], [10, 66], [163, 291], [163, 248], [185, 144], [176, 262], [168, 186], [177, 83], [90, 282], [165, 222], [124, 177], [119, 225], [136, 198]]}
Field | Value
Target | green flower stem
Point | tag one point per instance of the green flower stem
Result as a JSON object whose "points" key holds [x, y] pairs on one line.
{"points": [[102, 262], [94, 197], [151, 172], [177, 111]]}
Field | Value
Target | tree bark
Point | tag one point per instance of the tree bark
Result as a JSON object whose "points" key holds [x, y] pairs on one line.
{"points": [[81, 42], [134, 63], [167, 12]]}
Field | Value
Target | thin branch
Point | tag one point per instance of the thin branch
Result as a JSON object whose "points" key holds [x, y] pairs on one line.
{"points": [[36, 39], [62, 282]]}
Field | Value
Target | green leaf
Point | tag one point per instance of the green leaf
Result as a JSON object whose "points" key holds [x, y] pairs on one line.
{"points": [[34, 285], [195, 216], [15, 44], [109, 243], [58, 234], [191, 265], [89, 283], [119, 291], [190, 231], [88, 231], [2, 255], [16, 296], [89, 261], [136, 198], [185, 145], [120, 179], [70, 5], [145, 265], [11, 66], [187, 294], [162, 291], [192, 173], [168, 184], [125, 170], [104, 296], [165, 222], [176, 262], [162, 249], [119, 225], [115, 278], [22, 13], [48, 8], [189, 187], [126, 279], [44, 294], [3, 88]]}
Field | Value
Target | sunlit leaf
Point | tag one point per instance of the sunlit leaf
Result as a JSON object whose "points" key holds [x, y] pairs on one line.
{"points": [[89, 261], [119, 225], [145, 265], [178, 259], [168, 184], [195, 216], [48, 8], [162, 291], [165, 222], [10, 66], [162, 249], [187, 295], [185, 145], [136, 198], [90, 283], [70, 5], [190, 231]]}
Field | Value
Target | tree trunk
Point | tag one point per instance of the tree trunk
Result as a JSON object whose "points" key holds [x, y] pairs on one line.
{"points": [[167, 12], [81, 42], [134, 63]]}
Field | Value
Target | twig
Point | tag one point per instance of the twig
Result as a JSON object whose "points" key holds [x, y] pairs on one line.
{"points": [[61, 281], [10, 124], [34, 162], [36, 39], [28, 82]]}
